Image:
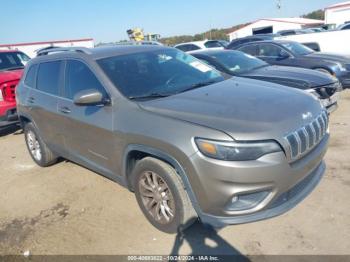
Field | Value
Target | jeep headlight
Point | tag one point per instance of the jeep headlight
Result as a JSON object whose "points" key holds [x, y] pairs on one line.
{"points": [[236, 151]]}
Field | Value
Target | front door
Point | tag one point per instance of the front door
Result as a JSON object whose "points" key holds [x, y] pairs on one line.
{"points": [[88, 129]]}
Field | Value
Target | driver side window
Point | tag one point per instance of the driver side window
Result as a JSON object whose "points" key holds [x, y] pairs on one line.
{"points": [[78, 78], [268, 50]]}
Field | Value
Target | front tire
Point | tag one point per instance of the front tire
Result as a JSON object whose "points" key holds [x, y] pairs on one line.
{"points": [[161, 196], [37, 148]]}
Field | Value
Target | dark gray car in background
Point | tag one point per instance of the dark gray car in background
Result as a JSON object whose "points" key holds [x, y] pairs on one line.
{"points": [[324, 87], [187, 141], [289, 53]]}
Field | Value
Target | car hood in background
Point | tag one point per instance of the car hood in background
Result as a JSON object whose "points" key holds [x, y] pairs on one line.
{"points": [[291, 76], [330, 57], [244, 108], [11, 75]]}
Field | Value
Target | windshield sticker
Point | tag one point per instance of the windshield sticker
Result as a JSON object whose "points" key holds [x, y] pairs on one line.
{"points": [[200, 66]]}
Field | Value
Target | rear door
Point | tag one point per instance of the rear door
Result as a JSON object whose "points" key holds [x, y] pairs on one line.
{"points": [[42, 102], [87, 129]]}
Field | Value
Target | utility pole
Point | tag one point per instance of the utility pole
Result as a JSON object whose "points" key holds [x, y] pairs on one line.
{"points": [[279, 4]]}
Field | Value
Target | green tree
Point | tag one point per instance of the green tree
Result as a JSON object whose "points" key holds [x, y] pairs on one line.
{"points": [[318, 14]]}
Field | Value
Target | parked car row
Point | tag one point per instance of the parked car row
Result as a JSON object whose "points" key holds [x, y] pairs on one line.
{"points": [[284, 62], [236, 63]]}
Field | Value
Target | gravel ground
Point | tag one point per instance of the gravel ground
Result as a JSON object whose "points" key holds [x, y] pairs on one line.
{"points": [[67, 209]]}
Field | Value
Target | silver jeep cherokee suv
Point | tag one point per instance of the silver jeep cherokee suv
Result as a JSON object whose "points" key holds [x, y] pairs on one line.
{"points": [[187, 141]]}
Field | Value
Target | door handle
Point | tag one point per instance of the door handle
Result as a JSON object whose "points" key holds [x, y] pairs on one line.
{"points": [[64, 110], [31, 100]]}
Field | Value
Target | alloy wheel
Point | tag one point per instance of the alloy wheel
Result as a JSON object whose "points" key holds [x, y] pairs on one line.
{"points": [[34, 146], [157, 197]]}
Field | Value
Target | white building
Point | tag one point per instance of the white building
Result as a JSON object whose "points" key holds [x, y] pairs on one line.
{"points": [[273, 25], [338, 14], [31, 48]]}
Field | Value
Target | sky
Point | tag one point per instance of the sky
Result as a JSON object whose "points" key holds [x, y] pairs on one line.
{"points": [[108, 20]]}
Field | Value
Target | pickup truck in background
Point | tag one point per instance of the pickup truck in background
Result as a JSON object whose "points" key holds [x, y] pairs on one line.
{"points": [[11, 68], [336, 41]]}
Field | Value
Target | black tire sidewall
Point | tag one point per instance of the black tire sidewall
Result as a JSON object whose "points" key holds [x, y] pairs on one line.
{"points": [[146, 165]]}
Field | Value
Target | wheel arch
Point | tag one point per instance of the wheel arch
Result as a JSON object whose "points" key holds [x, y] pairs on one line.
{"points": [[136, 152], [325, 68], [24, 119]]}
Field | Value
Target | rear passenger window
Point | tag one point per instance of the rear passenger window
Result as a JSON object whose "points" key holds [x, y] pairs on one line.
{"points": [[30, 77], [188, 47], [49, 77], [249, 49], [268, 50], [212, 44], [78, 78]]}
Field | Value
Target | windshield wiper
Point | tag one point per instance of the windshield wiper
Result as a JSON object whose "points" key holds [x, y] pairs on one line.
{"points": [[198, 85], [160, 95], [152, 95]]}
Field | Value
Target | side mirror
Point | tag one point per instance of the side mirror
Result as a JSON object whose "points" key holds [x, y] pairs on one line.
{"points": [[89, 97]]}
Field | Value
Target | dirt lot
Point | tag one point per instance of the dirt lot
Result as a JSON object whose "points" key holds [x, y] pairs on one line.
{"points": [[66, 209]]}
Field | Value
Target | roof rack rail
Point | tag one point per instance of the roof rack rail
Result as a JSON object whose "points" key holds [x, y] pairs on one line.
{"points": [[53, 49]]}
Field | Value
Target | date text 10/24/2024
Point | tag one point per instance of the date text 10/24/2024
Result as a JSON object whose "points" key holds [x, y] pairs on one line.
{"points": [[173, 258]]}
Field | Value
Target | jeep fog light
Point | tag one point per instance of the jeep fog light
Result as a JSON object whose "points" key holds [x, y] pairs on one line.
{"points": [[246, 201]]}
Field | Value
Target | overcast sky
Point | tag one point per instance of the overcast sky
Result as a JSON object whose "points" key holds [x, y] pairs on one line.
{"points": [[108, 20]]}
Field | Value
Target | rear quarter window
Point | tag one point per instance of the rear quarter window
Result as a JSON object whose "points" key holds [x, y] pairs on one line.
{"points": [[30, 77], [48, 79]]}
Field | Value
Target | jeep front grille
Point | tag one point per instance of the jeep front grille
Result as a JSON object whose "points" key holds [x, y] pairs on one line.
{"points": [[307, 137]]}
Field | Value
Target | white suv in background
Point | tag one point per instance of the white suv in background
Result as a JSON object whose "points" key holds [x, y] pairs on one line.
{"points": [[200, 45]]}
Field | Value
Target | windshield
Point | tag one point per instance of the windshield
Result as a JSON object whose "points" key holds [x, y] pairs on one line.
{"points": [[12, 60], [238, 62], [297, 48], [161, 72]]}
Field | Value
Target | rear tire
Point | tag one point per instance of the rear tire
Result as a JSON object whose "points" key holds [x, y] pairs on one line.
{"points": [[161, 196], [37, 148]]}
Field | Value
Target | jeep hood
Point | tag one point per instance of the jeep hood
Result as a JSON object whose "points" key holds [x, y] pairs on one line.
{"points": [[243, 108], [291, 76]]}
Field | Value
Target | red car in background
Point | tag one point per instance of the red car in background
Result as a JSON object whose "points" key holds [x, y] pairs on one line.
{"points": [[11, 68]]}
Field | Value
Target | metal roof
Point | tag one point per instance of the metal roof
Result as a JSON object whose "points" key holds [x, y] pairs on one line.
{"points": [[48, 42], [339, 5], [292, 20]]}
